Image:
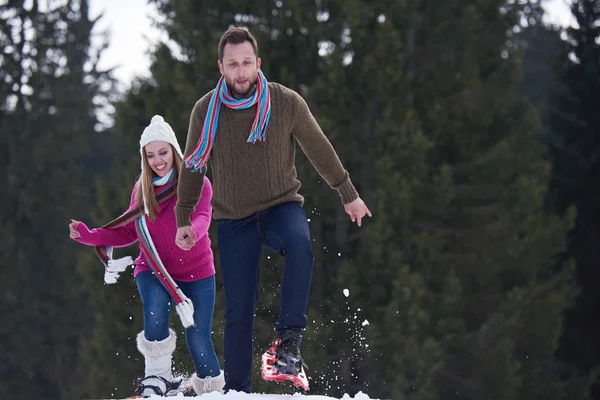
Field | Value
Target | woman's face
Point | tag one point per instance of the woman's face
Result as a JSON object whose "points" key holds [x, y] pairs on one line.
{"points": [[160, 157]]}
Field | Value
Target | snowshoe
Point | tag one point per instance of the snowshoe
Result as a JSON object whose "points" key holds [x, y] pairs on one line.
{"points": [[170, 386], [282, 362], [186, 389]]}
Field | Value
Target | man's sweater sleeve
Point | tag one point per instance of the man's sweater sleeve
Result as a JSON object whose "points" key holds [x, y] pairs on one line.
{"points": [[190, 183], [319, 150], [202, 216]]}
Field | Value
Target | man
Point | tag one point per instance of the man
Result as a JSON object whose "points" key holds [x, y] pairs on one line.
{"points": [[248, 127]]}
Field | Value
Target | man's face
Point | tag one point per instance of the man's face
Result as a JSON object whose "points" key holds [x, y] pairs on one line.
{"points": [[239, 67]]}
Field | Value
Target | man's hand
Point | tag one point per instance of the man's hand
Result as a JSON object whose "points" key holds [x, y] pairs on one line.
{"points": [[357, 210], [185, 237]]}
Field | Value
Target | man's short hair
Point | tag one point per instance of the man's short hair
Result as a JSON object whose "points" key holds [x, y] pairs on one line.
{"points": [[237, 35]]}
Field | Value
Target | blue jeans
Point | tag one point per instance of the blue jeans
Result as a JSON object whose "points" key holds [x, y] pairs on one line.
{"points": [[157, 309], [284, 229]]}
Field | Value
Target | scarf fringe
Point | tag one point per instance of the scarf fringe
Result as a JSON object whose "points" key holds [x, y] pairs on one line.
{"points": [[115, 267]]}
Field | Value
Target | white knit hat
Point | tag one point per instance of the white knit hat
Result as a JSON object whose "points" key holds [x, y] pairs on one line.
{"points": [[158, 130]]}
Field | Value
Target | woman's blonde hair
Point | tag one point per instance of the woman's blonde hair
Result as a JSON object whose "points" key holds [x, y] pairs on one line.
{"points": [[148, 175]]}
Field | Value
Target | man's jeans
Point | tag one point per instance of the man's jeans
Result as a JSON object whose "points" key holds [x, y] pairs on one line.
{"points": [[284, 229], [157, 308]]}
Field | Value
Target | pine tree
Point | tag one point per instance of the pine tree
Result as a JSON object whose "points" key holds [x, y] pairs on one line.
{"points": [[49, 84], [574, 149], [468, 263], [493, 271]]}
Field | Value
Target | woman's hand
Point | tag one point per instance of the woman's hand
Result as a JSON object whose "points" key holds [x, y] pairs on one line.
{"points": [[73, 232]]}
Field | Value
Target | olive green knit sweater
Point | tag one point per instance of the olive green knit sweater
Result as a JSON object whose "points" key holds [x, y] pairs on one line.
{"points": [[250, 177]]}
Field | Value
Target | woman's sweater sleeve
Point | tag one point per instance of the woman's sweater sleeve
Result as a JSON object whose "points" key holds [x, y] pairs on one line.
{"points": [[117, 237]]}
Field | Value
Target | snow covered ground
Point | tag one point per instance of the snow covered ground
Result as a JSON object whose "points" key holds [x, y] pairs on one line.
{"points": [[258, 396]]}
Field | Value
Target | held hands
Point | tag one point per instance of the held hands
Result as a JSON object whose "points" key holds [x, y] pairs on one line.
{"points": [[185, 237], [73, 232], [357, 210]]}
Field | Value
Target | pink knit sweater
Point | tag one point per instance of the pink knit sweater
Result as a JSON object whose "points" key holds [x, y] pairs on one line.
{"points": [[185, 266]]}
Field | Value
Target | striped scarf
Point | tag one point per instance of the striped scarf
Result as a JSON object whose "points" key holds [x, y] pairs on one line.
{"points": [[165, 188], [261, 97]]}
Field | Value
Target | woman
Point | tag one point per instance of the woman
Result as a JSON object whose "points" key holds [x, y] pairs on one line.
{"points": [[150, 220]]}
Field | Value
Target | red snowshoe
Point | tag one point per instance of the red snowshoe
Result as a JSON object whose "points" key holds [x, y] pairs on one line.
{"points": [[282, 362]]}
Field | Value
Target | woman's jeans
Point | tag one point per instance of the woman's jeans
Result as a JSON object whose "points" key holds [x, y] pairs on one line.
{"points": [[157, 309]]}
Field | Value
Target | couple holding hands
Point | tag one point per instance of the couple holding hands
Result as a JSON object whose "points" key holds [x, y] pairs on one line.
{"points": [[247, 128]]}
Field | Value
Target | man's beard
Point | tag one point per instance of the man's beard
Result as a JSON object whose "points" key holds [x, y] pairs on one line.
{"points": [[235, 92]]}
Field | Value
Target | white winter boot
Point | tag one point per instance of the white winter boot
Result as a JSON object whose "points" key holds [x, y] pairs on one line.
{"points": [[208, 384], [158, 354]]}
